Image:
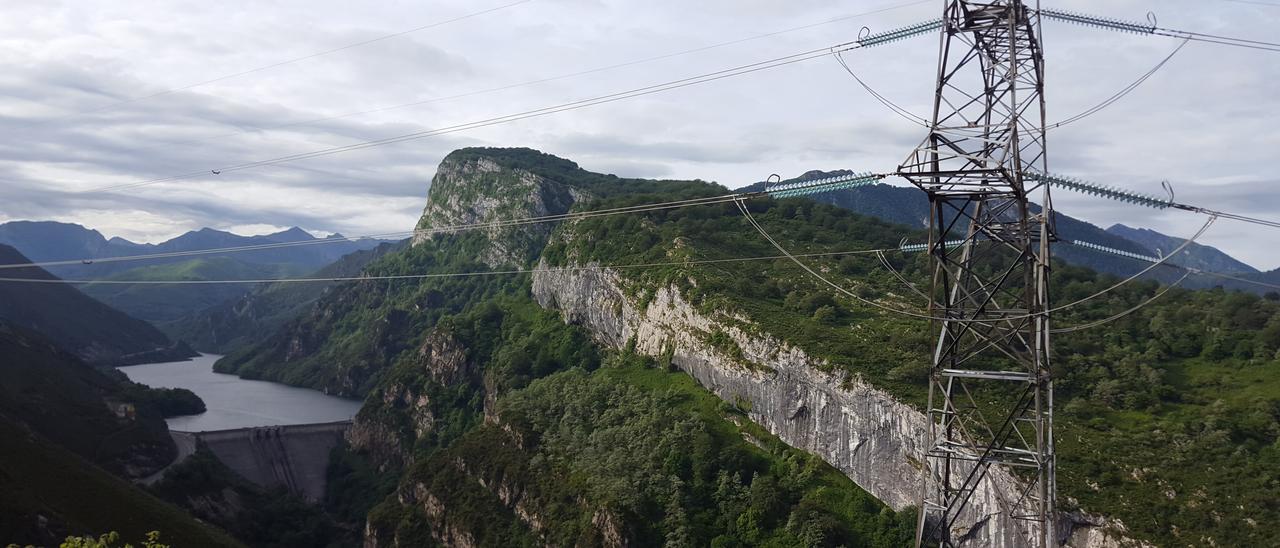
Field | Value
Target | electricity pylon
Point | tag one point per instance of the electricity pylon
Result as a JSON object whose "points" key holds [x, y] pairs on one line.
{"points": [[990, 389]]}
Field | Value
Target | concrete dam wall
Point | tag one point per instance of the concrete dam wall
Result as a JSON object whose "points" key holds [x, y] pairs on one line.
{"points": [[294, 457]]}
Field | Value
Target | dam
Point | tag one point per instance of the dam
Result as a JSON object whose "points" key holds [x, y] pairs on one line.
{"points": [[295, 457]]}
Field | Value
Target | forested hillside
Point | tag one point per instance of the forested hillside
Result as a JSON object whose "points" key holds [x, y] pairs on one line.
{"points": [[1160, 410], [67, 428], [77, 323]]}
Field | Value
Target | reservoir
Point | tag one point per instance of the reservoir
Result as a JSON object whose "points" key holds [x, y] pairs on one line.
{"points": [[233, 402]]}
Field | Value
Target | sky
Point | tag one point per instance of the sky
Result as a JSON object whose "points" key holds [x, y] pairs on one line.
{"points": [[102, 93]]}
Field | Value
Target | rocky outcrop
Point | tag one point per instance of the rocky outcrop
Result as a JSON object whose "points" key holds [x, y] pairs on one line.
{"points": [[401, 412], [865, 432], [468, 190]]}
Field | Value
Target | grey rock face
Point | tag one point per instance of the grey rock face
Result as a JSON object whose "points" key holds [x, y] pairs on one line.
{"points": [[479, 190], [863, 431]]}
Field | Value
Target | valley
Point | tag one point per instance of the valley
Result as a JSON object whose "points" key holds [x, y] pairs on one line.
{"points": [[542, 274], [628, 380]]}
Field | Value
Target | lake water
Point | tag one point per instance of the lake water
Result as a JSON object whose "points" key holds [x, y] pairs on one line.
{"points": [[233, 402]]}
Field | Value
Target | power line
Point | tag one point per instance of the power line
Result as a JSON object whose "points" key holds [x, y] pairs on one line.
{"points": [[1151, 29], [1120, 94], [1104, 249], [551, 78], [779, 191], [920, 120], [293, 60], [435, 275], [1120, 315], [928, 315], [866, 41], [563, 107], [1136, 198]]}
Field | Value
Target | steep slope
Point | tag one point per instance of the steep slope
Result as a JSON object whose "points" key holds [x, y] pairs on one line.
{"points": [[1196, 255], [79, 407], [233, 323], [60, 420], [50, 493], [815, 366], [445, 362], [92, 331], [161, 304], [440, 360]]}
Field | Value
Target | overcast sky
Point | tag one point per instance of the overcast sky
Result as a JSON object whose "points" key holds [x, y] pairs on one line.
{"points": [[79, 109]]}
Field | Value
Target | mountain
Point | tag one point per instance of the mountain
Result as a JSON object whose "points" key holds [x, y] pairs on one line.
{"points": [[162, 304], [232, 322], [44, 241], [483, 393], [92, 331], [64, 425], [1198, 256]]}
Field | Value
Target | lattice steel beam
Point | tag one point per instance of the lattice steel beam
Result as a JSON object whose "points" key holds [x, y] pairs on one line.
{"points": [[990, 390]]}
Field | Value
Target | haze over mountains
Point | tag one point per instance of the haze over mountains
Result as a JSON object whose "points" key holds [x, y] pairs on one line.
{"points": [[55, 241], [161, 304]]}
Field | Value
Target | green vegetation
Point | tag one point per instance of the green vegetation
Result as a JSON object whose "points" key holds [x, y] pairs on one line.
{"points": [[590, 448], [82, 409], [1168, 417], [112, 540], [39, 478], [170, 402], [165, 303]]}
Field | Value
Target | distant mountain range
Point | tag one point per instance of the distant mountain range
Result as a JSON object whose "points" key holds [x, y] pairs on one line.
{"points": [[44, 241], [80, 325], [1196, 255], [53, 241], [909, 207]]}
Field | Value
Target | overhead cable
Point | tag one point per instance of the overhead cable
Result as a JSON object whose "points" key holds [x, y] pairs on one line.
{"points": [[927, 316], [1121, 253], [558, 77], [563, 107], [1118, 316], [473, 274], [1151, 29], [1122, 195], [826, 184], [1120, 94]]}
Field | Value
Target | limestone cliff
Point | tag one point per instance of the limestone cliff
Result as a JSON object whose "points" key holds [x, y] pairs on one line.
{"points": [[865, 432], [470, 189]]}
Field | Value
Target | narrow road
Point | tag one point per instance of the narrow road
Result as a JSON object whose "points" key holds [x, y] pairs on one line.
{"points": [[186, 442]]}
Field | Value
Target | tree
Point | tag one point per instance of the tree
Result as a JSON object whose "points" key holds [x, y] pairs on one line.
{"points": [[109, 540]]}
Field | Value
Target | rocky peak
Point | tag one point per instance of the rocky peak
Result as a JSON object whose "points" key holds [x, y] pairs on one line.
{"points": [[471, 186]]}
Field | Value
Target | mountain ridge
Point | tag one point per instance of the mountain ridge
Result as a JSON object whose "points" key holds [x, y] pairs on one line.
{"points": [[79, 324]]}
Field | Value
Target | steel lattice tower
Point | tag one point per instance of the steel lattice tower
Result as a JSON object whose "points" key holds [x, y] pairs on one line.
{"points": [[990, 390]]}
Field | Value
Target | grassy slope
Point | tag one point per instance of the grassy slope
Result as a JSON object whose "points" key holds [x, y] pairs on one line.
{"points": [[234, 323], [167, 303]]}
